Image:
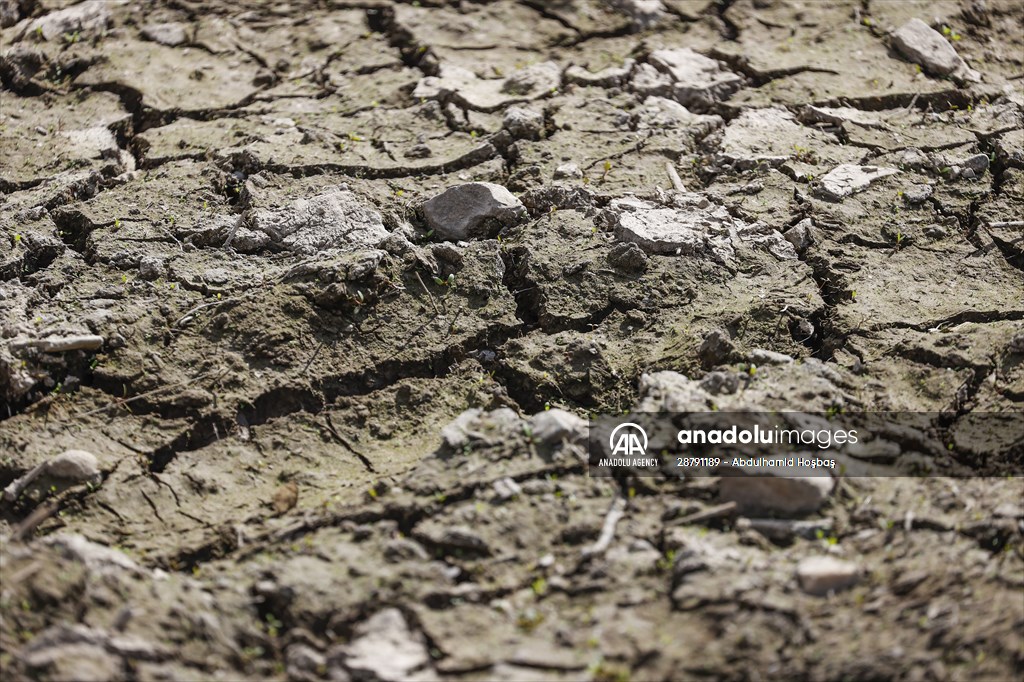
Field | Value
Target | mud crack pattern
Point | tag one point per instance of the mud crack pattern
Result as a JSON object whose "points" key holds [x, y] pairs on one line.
{"points": [[313, 437]]}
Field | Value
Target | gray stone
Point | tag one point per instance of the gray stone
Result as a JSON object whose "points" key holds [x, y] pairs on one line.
{"points": [[698, 81], [800, 234], [151, 267], [715, 349], [923, 45], [332, 220], [523, 123], [823, 574], [785, 530], [568, 171], [977, 163], [170, 34], [472, 211], [848, 178], [765, 490], [476, 425], [71, 467]]}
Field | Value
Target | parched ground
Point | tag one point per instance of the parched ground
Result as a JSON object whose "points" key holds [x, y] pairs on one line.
{"points": [[217, 277]]}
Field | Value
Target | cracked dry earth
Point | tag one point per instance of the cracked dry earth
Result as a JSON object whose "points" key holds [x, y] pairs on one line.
{"points": [[319, 430]]}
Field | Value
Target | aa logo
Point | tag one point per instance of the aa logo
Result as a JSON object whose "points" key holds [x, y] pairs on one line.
{"points": [[629, 440]]}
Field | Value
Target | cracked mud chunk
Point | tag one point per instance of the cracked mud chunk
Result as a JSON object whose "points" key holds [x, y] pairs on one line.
{"points": [[333, 220]]}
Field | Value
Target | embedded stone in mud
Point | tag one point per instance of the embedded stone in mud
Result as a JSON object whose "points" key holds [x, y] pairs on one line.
{"points": [[473, 210], [844, 180], [332, 220]]}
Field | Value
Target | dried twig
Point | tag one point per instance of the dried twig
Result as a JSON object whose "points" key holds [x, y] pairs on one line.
{"points": [[427, 291], [611, 519], [727, 509], [673, 175]]}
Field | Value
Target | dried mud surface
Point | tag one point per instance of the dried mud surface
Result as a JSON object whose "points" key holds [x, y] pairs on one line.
{"points": [[216, 277]]}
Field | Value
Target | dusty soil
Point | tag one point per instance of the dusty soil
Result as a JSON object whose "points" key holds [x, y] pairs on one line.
{"points": [[216, 278]]}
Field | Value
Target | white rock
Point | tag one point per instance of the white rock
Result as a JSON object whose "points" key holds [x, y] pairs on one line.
{"points": [[697, 80], [71, 467], [761, 356], [506, 489], [848, 178], [335, 219], [89, 17], [170, 34], [923, 45], [555, 425], [75, 465], [823, 574], [766, 490], [385, 648], [473, 210], [568, 171]]}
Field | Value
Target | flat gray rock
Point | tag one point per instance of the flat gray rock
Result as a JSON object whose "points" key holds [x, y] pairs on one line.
{"points": [[921, 44], [472, 211]]}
